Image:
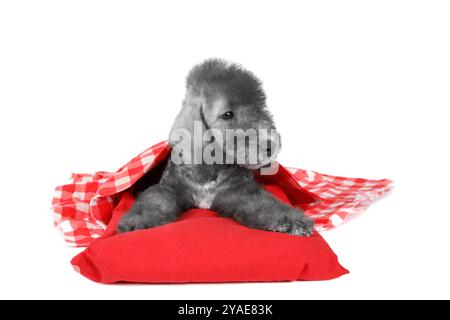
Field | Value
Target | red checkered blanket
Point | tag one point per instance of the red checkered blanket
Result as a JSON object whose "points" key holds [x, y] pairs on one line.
{"points": [[83, 207]]}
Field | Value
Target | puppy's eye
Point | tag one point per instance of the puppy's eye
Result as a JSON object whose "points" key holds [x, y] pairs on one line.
{"points": [[227, 115]]}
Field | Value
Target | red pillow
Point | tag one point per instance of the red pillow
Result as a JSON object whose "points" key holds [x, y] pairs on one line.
{"points": [[203, 247]]}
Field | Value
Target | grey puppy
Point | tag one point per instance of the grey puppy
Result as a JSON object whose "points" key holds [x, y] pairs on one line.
{"points": [[219, 95]]}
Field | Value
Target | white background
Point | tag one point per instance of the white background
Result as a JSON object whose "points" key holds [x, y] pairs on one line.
{"points": [[357, 88]]}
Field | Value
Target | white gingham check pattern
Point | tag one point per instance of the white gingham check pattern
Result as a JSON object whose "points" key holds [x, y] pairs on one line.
{"points": [[83, 207]]}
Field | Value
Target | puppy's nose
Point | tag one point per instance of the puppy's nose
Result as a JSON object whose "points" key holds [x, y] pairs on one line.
{"points": [[270, 147]]}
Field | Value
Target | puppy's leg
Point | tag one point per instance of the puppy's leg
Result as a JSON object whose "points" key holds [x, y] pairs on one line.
{"points": [[155, 206], [259, 209]]}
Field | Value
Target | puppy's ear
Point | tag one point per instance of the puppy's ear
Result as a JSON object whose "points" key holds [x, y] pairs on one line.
{"points": [[189, 119]]}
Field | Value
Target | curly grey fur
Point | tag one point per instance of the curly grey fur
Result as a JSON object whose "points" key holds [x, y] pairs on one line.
{"points": [[229, 189]]}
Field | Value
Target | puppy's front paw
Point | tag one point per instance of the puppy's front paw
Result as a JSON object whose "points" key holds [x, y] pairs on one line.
{"points": [[131, 222], [295, 224], [138, 221]]}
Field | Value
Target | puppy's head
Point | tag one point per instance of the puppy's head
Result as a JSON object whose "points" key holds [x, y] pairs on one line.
{"points": [[228, 105]]}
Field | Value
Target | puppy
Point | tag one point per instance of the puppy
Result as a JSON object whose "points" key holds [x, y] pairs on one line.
{"points": [[220, 96]]}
